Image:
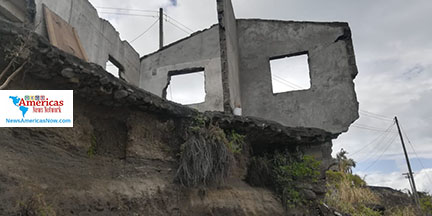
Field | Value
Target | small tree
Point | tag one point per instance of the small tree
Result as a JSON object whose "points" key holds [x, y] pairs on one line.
{"points": [[345, 164]]}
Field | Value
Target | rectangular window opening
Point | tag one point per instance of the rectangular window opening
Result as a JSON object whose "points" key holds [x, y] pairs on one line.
{"points": [[290, 73], [114, 67], [186, 86]]}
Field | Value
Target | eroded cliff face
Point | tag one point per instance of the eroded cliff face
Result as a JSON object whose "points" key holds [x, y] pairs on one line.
{"points": [[123, 154]]}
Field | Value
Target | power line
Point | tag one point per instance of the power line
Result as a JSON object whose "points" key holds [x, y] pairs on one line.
{"points": [[376, 115], [128, 9], [285, 84], [147, 11], [418, 158], [179, 22], [178, 27], [377, 147], [148, 29], [290, 83], [385, 150], [368, 128], [379, 137], [128, 14]]}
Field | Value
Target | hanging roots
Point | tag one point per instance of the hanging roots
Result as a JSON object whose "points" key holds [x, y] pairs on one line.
{"points": [[205, 158]]}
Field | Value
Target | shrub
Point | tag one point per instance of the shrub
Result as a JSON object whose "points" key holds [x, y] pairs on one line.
{"points": [[288, 171], [426, 203], [235, 142]]}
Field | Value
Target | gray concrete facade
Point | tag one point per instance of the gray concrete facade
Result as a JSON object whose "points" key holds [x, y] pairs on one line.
{"points": [[330, 103], [200, 50], [246, 47]]}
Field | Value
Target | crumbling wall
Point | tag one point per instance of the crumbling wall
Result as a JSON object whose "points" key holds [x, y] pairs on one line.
{"points": [[229, 55], [330, 104], [99, 38], [245, 49], [200, 50]]}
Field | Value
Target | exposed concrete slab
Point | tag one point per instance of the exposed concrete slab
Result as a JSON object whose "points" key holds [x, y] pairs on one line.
{"points": [[229, 55], [330, 103], [99, 38], [199, 50]]}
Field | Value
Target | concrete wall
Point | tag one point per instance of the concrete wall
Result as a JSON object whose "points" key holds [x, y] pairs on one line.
{"points": [[199, 50], [330, 103], [229, 54], [16, 10], [98, 36]]}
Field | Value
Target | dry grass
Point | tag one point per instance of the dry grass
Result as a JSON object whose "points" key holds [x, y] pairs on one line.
{"points": [[344, 196], [403, 211]]}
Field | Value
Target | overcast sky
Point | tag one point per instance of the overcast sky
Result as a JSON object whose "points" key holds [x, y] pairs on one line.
{"points": [[393, 46]]}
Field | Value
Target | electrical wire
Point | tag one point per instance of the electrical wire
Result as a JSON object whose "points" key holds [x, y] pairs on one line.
{"points": [[288, 82], [128, 9], [368, 128], [178, 27], [281, 82], [376, 115], [377, 147], [183, 26], [148, 29], [379, 137], [418, 158], [382, 142], [385, 150], [129, 14], [175, 20]]}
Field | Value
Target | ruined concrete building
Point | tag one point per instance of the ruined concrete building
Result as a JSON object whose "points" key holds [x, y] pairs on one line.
{"points": [[235, 57], [129, 147]]}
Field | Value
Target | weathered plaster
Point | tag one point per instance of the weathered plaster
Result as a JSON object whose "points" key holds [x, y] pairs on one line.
{"points": [[330, 103], [203, 51], [229, 55], [99, 38]]}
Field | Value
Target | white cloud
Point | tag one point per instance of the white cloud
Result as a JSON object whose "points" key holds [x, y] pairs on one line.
{"points": [[397, 181]]}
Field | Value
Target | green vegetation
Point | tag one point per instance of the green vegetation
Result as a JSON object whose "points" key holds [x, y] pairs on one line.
{"points": [[426, 203], [235, 142], [289, 171]]}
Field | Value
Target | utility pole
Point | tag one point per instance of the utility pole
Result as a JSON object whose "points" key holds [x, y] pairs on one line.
{"points": [[161, 30], [412, 183]]}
